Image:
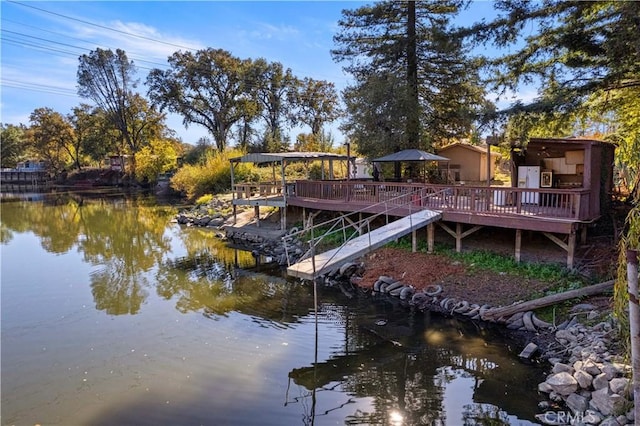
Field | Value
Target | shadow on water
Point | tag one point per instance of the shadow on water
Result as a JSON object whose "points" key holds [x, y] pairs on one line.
{"points": [[381, 364]]}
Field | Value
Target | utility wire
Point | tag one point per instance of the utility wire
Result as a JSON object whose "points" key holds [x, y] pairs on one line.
{"points": [[102, 26]]}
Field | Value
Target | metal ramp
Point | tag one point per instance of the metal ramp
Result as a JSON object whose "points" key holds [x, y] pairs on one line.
{"points": [[322, 263]]}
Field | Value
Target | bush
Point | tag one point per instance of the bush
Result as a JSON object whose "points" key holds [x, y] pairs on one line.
{"points": [[212, 177], [204, 200]]}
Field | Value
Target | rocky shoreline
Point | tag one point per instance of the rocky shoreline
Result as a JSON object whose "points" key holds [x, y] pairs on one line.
{"points": [[588, 381]]}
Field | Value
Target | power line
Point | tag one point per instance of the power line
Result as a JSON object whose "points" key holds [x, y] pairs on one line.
{"points": [[103, 27]]}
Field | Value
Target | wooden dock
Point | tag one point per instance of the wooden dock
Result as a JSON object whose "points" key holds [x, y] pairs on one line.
{"points": [[357, 247]]}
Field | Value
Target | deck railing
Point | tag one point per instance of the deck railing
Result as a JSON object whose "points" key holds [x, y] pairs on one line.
{"points": [[569, 204], [259, 189]]}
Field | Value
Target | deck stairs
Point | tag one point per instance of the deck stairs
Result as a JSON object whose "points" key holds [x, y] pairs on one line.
{"points": [[313, 265]]}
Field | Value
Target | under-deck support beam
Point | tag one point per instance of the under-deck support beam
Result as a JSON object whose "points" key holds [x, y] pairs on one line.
{"points": [[458, 234]]}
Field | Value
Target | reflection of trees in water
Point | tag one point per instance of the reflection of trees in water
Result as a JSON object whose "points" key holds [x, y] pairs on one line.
{"points": [[124, 236], [201, 282], [401, 365]]}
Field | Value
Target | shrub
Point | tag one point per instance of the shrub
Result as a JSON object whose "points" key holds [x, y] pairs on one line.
{"points": [[211, 177]]}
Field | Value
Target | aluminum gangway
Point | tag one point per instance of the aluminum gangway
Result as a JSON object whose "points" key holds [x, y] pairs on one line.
{"points": [[315, 264]]}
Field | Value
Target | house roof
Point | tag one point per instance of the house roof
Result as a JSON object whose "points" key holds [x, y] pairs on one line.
{"points": [[482, 149], [277, 157], [410, 155]]}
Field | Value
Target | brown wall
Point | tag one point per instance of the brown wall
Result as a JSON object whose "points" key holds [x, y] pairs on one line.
{"points": [[473, 164]]}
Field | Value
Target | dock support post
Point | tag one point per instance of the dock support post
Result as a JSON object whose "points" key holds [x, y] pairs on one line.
{"points": [[518, 244], [414, 241], [256, 210], [571, 248], [583, 235], [458, 237], [283, 218], [430, 237], [235, 214]]}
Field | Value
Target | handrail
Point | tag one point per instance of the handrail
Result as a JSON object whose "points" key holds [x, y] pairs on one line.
{"points": [[315, 241]]}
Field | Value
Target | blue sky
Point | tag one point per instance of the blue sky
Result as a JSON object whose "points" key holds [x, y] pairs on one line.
{"points": [[41, 43]]}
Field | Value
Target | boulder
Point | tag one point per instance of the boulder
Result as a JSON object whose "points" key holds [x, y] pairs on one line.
{"points": [[583, 378], [600, 382], [577, 403], [562, 383], [560, 368], [607, 403], [620, 385], [591, 367]]}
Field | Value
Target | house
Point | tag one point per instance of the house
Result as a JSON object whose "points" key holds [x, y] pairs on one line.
{"points": [[468, 163]]}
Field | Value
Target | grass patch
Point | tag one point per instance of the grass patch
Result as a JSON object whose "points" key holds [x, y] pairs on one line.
{"points": [[331, 238], [559, 277]]}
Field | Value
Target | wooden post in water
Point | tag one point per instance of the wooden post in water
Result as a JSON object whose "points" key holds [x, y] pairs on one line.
{"points": [[634, 325]]}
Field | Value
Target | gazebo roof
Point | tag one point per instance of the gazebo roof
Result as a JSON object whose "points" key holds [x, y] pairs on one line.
{"points": [[410, 155], [278, 157]]}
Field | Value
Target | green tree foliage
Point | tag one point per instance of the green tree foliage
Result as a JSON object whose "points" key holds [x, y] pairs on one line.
{"points": [[159, 156], [572, 48], [108, 79], [100, 138], [12, 139], [317, 104], [277, 90], [51, 135], [308, 142], [85, 122], [416, 86], [210, 87]]}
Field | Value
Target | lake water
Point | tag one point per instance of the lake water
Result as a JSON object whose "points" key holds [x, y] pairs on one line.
{"points": [[111, 315]]}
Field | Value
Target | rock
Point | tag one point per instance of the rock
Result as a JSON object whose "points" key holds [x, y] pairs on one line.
{"points": [[583, 307], [591, 417], [577, 403], [565, 335], [620, 385], [631, 415], [528, 351], [607, 403], [592, 315], [591, 367], [600, 382], [583, 378], [560, 368], [562, 383], [610, 421], [610, 371], [545, 387], [622, 420]]}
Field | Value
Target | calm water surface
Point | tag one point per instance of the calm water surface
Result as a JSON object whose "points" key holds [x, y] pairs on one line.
{"points": [[111, 315]]}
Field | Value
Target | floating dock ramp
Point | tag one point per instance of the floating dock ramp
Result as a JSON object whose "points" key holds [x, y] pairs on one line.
{"points": [[323, 263]]}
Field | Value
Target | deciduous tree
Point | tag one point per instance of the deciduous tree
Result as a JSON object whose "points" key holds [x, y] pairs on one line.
{"points": [[13, 144], [51, 137], [108, 79], [317, 104], [210, 87]]}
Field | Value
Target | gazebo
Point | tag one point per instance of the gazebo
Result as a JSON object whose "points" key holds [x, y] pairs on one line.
{"points": [[411, 156]]}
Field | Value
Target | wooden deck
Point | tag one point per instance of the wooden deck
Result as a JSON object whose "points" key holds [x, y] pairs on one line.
{"points": [[463, 209], [547, 210]]}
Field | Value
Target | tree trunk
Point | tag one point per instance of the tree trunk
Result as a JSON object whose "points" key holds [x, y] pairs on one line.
{"points": [[634, 325], [413, 121], [507, 311]]}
